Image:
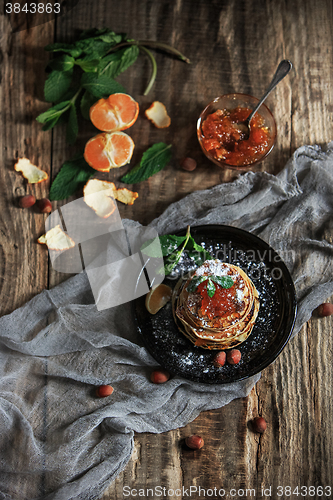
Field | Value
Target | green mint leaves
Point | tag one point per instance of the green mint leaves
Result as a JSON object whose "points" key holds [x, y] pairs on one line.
{"points": [[173, 247], [72, 175], [89, 66], [223, 281], [100, 85], [153, 160], [173, 259], [117, 62], [57, 84]]}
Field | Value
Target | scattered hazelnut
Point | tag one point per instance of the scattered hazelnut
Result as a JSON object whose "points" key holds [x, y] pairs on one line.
{"points": [[159, 376], [325, 309], [234, 356], [220, 358], [27, 201], [104, 390], [44, 206], [188, 164], [259, 424], [194, 442]]}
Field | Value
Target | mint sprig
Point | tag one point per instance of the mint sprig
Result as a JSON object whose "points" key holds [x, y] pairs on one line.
{"points": [[173, 247], [171, 263], [89, 66], [223, 281]]}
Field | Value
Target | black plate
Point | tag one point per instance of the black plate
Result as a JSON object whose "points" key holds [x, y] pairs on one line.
{"points": [[273, 326]]}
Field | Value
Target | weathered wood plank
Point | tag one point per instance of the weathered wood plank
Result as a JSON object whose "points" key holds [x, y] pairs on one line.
{"points": [[24, 263]]}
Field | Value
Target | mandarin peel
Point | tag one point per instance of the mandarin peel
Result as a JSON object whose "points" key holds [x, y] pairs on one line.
{"points": [[115, 113], [101, 195], [158, 115], [126, 196], [33, 174], [56, 239], [109, 150]]}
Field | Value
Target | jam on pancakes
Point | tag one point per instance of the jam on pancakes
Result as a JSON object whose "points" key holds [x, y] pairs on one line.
{"points": [[223, 303]]}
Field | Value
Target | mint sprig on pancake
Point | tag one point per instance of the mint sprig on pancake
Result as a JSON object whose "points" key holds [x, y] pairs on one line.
{"points": [[223, 281]]}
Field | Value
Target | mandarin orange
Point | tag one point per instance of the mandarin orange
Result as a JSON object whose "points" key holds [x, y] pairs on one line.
{"points": [[117, 112], [157, 298], [105, 151]]}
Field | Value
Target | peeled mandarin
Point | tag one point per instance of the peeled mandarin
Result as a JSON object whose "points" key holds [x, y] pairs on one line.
{"points": [[105, 151], [117, 112], [157, 298]]}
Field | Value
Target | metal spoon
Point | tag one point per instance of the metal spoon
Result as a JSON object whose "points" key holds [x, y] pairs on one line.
{"points": [[282, 70]]}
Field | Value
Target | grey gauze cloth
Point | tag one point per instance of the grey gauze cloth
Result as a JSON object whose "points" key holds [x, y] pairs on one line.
{"points": [[57, 440]]}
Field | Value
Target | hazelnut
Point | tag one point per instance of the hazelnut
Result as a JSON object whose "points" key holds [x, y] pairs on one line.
{"points": [[27, 201], [44, 206], [188, 164], [234, 356], [104, 390], [325, 309], [259, 424], [219, 358], [159, 376], [194, 442]]}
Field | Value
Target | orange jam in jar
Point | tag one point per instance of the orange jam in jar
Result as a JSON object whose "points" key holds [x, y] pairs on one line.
{"points": [[225, 142]]}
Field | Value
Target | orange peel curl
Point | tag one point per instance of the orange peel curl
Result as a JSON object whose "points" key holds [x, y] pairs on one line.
{"points": [[33, 174], [56, 239], [101, 195], [158, 114], [98, 195]]}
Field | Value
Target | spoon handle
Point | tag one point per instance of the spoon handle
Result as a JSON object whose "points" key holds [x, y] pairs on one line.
{"points": [[282, 70]]}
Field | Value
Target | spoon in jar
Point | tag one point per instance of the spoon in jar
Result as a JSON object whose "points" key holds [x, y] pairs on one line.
{"points": [[282, 70]]}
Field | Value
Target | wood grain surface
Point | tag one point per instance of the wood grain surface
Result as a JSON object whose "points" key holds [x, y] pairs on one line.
{"points": [[234, 46]]}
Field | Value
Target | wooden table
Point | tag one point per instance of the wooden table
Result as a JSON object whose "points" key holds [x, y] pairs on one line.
{"points": [[234, 46]]}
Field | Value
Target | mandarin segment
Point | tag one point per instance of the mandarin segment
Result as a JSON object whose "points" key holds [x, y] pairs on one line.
{"points": [[121, 148], [105, 151], [125, 107], [96, 155], [117, 112], [157, 298]]}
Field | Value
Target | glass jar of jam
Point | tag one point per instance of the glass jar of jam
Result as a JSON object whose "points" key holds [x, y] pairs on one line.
{"points": [[224, 143]]}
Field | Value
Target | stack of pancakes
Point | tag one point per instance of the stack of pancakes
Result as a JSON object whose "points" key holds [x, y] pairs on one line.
{"points": [[222, 321]]}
